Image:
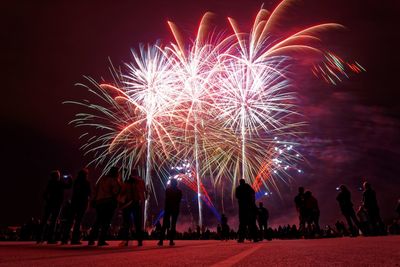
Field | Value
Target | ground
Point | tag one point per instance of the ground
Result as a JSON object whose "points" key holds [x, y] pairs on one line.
{"points": [[361, 251]]}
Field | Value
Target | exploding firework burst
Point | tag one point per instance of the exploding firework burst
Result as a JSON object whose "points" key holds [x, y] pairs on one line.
{"points": [[220, 100]]}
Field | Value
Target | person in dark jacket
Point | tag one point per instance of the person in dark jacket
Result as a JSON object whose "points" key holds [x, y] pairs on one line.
{"points": [[262, 218], [346, 207], [79, 203], [105, 203], [247, 211], [173, 196], [299, 202], [54, 198], [312, 213], [371, 205]]}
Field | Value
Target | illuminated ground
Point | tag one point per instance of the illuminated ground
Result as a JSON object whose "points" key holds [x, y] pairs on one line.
{"points": [[372, 251]]}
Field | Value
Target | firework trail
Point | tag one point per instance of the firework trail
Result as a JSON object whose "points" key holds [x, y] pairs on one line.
{"points": [[333, 68]]}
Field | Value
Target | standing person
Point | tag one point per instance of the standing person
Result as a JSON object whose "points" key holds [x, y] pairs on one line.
{"points": [[79, 203], [346, 207], [247, 211], [262, 218], [133, 193], [105, 203], [371, 205], [312, 213], [54, 198], [299, 202], [173, 196]]}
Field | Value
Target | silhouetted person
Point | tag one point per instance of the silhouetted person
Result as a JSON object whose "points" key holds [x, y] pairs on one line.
{"points": [[105, 203], [346, 207], [299, 202], [79, 203], [133, 192], [54, 198], [262, 218], [224, 228], [247, 211], [311, 212], [173, 196], [371, 205]]}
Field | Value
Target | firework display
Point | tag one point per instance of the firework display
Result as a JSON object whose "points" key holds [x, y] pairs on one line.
{"points": [[223, 101]]}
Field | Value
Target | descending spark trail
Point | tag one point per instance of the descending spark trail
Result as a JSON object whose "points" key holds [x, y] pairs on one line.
{"points": [[219, 100], [334, 67]]}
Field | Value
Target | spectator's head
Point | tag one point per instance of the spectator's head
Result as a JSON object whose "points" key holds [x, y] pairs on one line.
{"points": [[173, 183], [113, 172], [260, 204], [301, 190], [242, 181], [366, 185], [83, 174], [343, 188], [308, 194], [55, 175]]}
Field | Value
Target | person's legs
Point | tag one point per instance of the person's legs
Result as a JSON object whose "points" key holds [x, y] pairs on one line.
{"points": [[43, 224], [349, 222], [138, 219], [355, 219], [243, 224], [109, 209], [165, 226], [253, 226], [174, 218], [302, 222], [264, 231], [316, 222], [76, 233], [55, 211], [261, 230], [126, 225], [67, 226], [100, 217]]}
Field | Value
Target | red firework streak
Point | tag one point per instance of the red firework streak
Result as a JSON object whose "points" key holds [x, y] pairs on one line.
{"points": [[192, 184]]}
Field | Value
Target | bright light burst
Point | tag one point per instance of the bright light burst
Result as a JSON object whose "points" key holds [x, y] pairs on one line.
{"points": [[221, 100]]}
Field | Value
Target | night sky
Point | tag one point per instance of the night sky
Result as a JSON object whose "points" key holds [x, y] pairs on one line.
{"points": [[47, 46]]}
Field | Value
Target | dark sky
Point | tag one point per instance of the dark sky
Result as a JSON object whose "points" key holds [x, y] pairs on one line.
{"points": [[47, 46]]}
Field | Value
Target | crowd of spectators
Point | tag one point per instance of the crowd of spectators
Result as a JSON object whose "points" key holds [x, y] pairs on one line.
{"points": [[28, 232]]}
